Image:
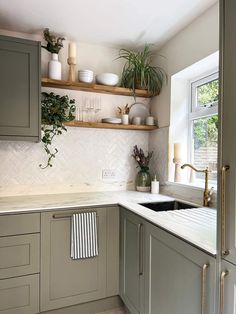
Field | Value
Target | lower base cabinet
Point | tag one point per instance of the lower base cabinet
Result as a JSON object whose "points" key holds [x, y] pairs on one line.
{"points": [[131, 266], [19, 295], [177, 278], [228, 292], [66, 282]]}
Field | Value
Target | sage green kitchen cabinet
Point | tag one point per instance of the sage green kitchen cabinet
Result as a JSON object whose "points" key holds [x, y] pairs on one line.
{"points": [[20, 87], [19, 295], [227, 220], [131, 261], [227, 157], [66, 282], [228, 283], [179, 278], [19, 263], [19, 255]]}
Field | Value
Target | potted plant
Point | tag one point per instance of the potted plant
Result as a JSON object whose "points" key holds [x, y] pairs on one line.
{"points": [[56, 110], [143, 179], [54, 45], [138, 71]]}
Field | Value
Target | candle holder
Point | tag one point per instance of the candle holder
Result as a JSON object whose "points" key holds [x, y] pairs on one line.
{"points": [[178, 176], [72, 63]]}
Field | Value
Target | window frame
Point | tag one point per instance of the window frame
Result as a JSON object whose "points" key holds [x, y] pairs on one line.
{"points": [[196, 112]]}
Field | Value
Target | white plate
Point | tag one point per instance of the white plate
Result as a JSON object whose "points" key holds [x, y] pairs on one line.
{"points": [[112, 120], [139, 110]]}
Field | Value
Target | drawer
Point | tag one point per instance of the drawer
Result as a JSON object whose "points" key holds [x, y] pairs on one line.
{"points": [[19, 224], [19, 255], [19, 295]]}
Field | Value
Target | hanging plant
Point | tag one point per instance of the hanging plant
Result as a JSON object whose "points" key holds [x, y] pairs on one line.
{"points": [[56, 110]]}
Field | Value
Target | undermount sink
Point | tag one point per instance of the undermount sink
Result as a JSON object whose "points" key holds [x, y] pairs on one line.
{"points": [[163, 206]]}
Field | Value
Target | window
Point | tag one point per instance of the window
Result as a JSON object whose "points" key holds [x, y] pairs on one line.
{"points": [[203, 125]]}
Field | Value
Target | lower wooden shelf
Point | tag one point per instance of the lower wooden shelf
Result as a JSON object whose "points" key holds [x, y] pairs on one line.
{"points": [[99, 125]]}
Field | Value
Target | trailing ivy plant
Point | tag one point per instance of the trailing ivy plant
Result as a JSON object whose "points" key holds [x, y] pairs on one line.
{"points": [[56, 110]]}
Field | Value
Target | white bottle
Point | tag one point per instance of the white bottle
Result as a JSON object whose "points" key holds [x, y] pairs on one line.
{"points": [[155, 186]]}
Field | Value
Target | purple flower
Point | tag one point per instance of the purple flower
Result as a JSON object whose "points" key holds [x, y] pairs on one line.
{"points": [[139, 156]]}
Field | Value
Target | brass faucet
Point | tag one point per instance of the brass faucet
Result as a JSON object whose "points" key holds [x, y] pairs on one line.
{"points": [[207, 193]]}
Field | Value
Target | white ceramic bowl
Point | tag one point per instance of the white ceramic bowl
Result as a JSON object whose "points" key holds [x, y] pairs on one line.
{"points": [[110, 79], [85, 76]]}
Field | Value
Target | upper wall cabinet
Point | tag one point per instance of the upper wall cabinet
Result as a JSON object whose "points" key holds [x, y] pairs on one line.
{"points": [[20, 83]]}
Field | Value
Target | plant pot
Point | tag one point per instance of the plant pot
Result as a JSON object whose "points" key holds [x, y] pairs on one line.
{"points": [[143, 180], [125, 119], [54, 67]]}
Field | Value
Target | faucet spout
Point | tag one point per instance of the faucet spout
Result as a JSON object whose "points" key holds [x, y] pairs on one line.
{"points": [[207, 194]]}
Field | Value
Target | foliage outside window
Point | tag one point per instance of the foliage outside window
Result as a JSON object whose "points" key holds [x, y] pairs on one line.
{"points": [[203, 125]]}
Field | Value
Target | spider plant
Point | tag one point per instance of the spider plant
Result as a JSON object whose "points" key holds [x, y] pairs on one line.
{"points": [[139, 73]]}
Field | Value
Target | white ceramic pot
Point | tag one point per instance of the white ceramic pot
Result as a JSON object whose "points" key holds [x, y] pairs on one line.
{"points": [[125, 119], [54, 68]]}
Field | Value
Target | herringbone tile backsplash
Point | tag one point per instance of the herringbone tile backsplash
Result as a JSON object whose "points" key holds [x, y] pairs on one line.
{"points": [[83, 153]]}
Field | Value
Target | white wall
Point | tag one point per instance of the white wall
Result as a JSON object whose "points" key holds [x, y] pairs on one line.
{"points": [[97, 58], [197, 41], [83, 153]]}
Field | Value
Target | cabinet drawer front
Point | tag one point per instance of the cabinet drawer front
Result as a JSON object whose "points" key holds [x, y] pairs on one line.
{"points": [[19, 224], [19, 295], [19, 255]]}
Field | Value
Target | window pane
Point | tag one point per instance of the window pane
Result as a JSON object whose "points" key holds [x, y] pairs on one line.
{"points": [[205, 135], [207, 93]]}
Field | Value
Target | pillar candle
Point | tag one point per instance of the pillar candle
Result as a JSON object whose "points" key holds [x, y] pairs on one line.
{"points": [[72, 50], [177, 151]]}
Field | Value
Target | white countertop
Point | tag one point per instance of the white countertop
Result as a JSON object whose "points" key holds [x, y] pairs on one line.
{"points": [[197, 225]]}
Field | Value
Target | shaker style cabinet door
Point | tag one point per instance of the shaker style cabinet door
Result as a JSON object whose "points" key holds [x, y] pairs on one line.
{"points": [[131, 261], [228, 292], [65, 281], [227, 132], [20, 74], [179, 278]]}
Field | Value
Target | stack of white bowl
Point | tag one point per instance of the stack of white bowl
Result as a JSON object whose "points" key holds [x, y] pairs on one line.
{"points": [[85, 76]]}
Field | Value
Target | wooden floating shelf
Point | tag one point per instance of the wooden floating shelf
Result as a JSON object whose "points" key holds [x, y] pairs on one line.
{"points": [[95, 88], [99, 125]]}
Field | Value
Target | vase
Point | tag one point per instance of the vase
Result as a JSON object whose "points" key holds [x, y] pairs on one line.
{"points": [[143, 180], [54, 67]]}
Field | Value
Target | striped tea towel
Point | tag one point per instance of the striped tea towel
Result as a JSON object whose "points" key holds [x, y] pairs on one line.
{"points": [[84, 237]]}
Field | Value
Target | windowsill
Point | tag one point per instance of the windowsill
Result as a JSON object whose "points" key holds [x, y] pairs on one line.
{"points": [[196, 185]]}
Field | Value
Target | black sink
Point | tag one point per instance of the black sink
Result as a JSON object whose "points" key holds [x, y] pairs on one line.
{"points": [[163, 206]]}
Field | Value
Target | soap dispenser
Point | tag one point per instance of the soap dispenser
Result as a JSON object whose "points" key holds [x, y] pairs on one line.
{"points": [[155, 186]]}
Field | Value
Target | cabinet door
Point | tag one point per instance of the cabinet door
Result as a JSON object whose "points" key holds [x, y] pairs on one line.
{"points": [[176, 278], [131, 272], [65, 281], [19, 89], [228, 292], [228, 117]]}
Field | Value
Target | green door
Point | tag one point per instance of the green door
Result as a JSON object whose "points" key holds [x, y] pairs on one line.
{"points": [[19, 89], [131, 261], [179, 278]]}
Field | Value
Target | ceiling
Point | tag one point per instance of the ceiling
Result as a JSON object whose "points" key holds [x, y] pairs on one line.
{"points": [[127, 23]]}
